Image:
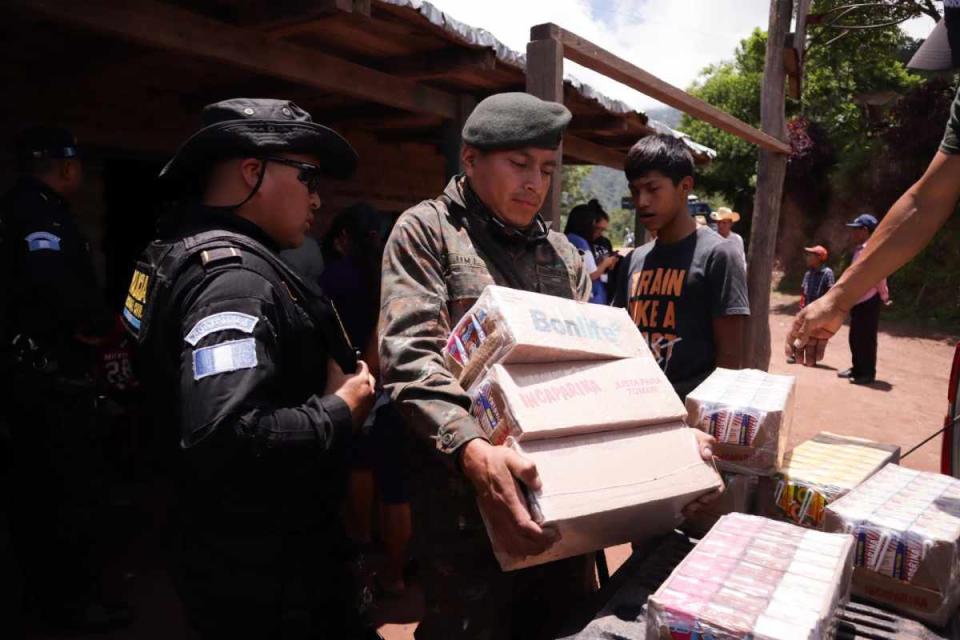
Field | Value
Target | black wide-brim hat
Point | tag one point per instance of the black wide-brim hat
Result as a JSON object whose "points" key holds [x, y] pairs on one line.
{"points": [[256, 127]]}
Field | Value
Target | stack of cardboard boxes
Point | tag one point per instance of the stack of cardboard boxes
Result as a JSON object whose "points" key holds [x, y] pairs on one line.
{"points": [[574, 388]]}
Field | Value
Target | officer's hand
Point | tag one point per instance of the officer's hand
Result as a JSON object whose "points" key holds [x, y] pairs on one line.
{"points": [[812, 328], [705, 442], [358, 389], [494, 472]]}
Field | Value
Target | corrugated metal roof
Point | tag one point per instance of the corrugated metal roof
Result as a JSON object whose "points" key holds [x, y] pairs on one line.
{"points": [[477, 37]]}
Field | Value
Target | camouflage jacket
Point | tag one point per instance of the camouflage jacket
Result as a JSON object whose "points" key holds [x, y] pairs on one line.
{"points": [[433, 272]]}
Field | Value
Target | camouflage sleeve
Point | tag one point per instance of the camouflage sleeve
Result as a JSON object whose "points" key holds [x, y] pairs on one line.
{"points": [[584, 284], [414, 325]]}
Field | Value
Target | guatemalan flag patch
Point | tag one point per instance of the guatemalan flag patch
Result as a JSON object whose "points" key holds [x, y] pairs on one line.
{"points": [[224, 357]]}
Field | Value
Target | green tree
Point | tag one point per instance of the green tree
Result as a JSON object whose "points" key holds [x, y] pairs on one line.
{"points": [[572, 190], [845, 84]]}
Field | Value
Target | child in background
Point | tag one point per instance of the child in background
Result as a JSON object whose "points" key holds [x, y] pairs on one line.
{"points": [[817, 280], [819, 277]]}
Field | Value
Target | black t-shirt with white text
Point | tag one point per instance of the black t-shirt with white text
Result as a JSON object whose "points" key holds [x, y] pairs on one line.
{"points": [[674, 291]]}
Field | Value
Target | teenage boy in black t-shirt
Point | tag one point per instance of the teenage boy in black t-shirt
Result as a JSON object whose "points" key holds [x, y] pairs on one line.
{"points": [[687, 290]]}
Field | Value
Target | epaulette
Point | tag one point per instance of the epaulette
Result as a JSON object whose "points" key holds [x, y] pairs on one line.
{"points": [[218, 255]]}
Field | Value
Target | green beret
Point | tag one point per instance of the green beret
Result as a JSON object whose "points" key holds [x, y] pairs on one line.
{"points": [[516, 120]]}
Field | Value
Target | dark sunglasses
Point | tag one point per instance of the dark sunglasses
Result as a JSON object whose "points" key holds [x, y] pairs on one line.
{"points": [[310, 174]]}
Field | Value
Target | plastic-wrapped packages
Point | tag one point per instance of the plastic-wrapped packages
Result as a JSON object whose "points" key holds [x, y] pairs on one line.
{"points": [[751, 577], [750, 413], [907, 527], [604, 489], [533, 401], [509, 326], [819, 471]]}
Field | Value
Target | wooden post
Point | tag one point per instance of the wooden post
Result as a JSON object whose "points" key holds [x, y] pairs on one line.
{"points": [[545, 80], [451, 135], [770, 174]]}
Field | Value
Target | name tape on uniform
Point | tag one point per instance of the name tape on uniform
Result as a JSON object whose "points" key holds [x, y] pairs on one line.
{"points": [[224, 321], [43, 240], [224, 357]]}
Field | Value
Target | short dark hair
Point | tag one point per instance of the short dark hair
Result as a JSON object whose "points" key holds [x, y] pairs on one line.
{"points": [[663, 153]]}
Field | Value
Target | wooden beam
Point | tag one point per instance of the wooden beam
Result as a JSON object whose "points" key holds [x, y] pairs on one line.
{"points": [[384, 123], [164, 26], [452, 140], [545, 80], [594, 57], [771, 170], [441, 64], [592, 153], [280, 13], [799, 47], [608, 123]]}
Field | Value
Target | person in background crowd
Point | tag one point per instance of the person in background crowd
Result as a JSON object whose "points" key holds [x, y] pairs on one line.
{"points": [[817, 279], [581, 230], [353, 251], [725, 219], [602, 247], [686, 290], [52, 317], [865, 315]]}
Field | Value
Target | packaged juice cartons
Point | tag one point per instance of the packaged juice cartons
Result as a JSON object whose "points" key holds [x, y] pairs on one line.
{"points": [[907, 529]]}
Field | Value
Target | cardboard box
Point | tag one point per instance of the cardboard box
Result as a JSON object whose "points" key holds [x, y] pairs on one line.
{"points": [[536, 401], [907, 527], [605, 489], [509, 326], [819, 471], [739, 496], [750, 413], [755, 578]]}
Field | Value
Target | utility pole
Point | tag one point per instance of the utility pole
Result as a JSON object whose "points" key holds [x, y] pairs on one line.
{"points": [[771, 170]]}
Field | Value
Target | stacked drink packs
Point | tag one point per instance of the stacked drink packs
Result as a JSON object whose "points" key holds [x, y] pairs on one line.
{"points": [[755, 578], [534, 401], [507, 325], [573, 387], [750, 413], [821, 470], [907, 529]]}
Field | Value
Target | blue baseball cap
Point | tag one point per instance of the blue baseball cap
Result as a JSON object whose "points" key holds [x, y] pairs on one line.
{"points": [[864, 221]]}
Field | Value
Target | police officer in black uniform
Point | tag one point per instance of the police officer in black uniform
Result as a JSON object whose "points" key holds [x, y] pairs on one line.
{"points": [[251, 368], [52, 316]]}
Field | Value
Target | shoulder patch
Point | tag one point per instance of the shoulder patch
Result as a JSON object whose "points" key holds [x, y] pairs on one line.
{"points": [[224, 357], [43, 240], [224, 321], [136, 300]]}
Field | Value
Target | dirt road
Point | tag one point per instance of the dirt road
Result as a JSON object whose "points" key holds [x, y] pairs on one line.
{"points": [[904, 406]]}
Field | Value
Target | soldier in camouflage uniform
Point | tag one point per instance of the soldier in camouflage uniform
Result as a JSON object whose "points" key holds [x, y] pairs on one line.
{"points": [[485, 229]]}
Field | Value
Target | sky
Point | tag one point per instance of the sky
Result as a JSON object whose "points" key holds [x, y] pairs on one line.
{"points": [[672, 39]]}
